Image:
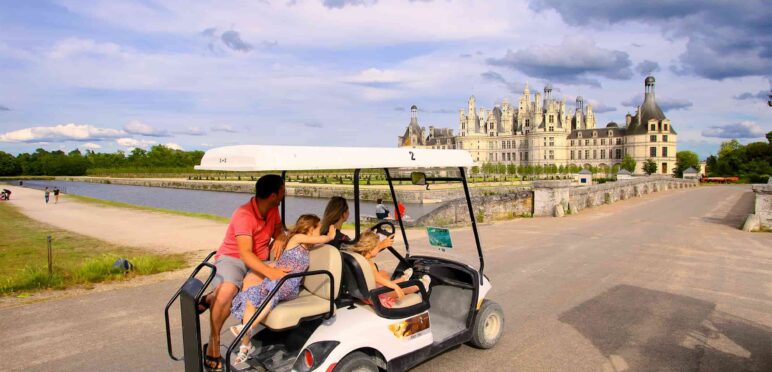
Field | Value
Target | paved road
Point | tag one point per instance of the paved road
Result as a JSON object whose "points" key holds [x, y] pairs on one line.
{"points": [[664, 282]]}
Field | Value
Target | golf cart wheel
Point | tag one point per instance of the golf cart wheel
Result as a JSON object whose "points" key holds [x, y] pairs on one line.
{"points": [[488, 325], [357, 362]]}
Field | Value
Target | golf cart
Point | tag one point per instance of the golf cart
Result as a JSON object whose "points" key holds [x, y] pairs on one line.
{"points": [[337, 322]]}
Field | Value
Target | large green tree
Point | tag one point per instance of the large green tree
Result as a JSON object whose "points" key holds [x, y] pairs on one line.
{"points": [[629, 163], [9, 166], [684, 160], [650, 167]]}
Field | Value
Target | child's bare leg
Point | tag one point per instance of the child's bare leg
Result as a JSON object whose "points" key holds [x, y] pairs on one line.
{"points": [[249, 310]]}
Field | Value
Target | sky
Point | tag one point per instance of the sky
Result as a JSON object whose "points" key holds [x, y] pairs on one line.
{"points": [[111, 75]]}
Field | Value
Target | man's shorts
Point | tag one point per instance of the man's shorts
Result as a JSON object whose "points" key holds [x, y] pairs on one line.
{"points": [[231, 270]]}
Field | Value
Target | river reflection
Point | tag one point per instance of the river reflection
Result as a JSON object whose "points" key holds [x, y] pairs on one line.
{"points": [[212, 202]]}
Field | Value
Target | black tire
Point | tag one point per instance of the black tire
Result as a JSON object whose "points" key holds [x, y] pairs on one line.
{"points": [[357, 362], [488, 325]]}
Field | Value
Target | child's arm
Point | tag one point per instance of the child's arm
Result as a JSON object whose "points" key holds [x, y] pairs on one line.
{"points": [[383, 280], [308, 239]]}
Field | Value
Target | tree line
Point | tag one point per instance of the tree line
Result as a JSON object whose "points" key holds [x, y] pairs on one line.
{"points": [[75, 163], [751, 162]]}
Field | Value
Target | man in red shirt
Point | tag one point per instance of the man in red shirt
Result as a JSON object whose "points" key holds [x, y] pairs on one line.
{"points": [[242, 255]]}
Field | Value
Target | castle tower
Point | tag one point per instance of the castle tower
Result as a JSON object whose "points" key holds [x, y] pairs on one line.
{"points": [[580, 113]]}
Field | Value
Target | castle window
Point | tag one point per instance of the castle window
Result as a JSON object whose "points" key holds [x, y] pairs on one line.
{"points": [[552, 155], [552, 141], [594, 134], [527, 122], [664, 168], [653, 127], [602, 141], [664, 138], [526, 156], [611, 133], [653, 152], [545, 141], [653, 138], [586, 142], [552, 119], [619, 153], [552, 129], [664, 152], [545, 156], [579, 154], [572, 154], [619, 141], [594, 142], [594, 154], [572, 142], [602, 154], [665, 127], [610, 154], [586, 154]]}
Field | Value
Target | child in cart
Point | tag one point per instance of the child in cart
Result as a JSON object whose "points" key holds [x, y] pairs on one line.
{"points": [[367, 246], [303, 236]]}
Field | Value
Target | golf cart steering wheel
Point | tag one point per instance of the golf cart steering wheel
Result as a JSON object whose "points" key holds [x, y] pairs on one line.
{"points": [[384, 228]]}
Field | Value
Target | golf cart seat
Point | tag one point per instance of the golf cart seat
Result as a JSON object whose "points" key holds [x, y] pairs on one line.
{"points": [[314, 297], [360, 280]]}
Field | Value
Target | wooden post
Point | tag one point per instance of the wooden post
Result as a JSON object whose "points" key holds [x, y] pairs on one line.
{"points": [[50, 258]]}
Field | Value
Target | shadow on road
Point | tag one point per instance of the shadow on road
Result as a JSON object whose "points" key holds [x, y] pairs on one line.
{"points": [[644, 329], [736, 215]]}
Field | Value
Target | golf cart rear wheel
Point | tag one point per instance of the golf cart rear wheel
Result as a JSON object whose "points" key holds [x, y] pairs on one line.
{"points": [[488, 325], [357, 362]]}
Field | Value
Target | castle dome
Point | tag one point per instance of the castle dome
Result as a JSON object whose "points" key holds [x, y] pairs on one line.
{"points": [[612, 125]]}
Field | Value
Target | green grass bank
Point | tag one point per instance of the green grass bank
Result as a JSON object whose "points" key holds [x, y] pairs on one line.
{"points": [[77, 260]]}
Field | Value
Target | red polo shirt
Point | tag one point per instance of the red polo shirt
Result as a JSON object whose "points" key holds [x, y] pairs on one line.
{"points": [[246, 220]]}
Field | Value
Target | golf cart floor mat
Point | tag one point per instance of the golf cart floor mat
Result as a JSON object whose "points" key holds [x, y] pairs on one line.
{"points": [[449, 310]]}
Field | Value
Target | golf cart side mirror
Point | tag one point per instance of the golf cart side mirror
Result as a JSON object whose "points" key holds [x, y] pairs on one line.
{"points": [[418, 178]]}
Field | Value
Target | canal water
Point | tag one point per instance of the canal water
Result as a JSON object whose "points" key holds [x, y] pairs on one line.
{"points": [[212, 202]]}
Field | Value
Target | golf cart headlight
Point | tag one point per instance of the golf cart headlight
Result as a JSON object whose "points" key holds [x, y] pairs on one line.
{"points": [[314, 355]]}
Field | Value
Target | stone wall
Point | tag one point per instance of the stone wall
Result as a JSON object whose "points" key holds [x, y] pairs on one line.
{"points": [[763, 206], [486, 208], [554, 199], [325, 191]]}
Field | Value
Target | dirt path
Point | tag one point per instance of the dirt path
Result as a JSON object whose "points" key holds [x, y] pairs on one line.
{"points": [[154, 231]]}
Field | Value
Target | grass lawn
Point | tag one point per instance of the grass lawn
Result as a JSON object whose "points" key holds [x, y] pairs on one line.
{"points": [[77, 259]]}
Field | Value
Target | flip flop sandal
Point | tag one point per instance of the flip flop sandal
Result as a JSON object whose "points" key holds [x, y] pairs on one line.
{"points": [[212, 364]]}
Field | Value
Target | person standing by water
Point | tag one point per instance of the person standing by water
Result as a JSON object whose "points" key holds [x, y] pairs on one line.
{"points": [[56, 195], [46, 194], [381, 211]]}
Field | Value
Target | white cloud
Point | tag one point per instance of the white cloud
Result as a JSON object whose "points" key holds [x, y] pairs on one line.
{"points": [[191, 131], [223, 128], [66, 132], [133, 142], [745, 129], [76, 46], [173, 146], [91, 146], [143, 129]]}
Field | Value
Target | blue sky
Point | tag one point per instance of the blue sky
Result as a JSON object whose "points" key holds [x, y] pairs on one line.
{"points": [[110, 75]]}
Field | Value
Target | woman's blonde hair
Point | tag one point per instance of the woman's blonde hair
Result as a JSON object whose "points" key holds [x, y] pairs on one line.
{"points": [[336, 208], [304, 225], [366, 243]]}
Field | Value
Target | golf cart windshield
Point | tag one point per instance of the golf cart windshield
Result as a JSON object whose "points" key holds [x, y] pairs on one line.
{"points": [[396, 163]]}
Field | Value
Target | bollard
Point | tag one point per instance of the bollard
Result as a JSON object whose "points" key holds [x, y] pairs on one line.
{"points": [[50, 259]]}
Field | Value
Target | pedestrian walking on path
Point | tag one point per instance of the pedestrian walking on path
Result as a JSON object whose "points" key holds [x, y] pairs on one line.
{"points": [[56, 195], [46, 194]]}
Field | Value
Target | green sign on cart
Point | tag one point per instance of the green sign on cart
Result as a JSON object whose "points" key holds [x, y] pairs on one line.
{"points": [[439, 237]]}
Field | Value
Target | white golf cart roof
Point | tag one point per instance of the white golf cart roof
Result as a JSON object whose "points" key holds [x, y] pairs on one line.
{"points": [[291, 158]]}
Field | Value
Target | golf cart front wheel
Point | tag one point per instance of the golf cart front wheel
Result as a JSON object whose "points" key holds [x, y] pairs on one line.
{"points": [[488, 325], [357, 362]]}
